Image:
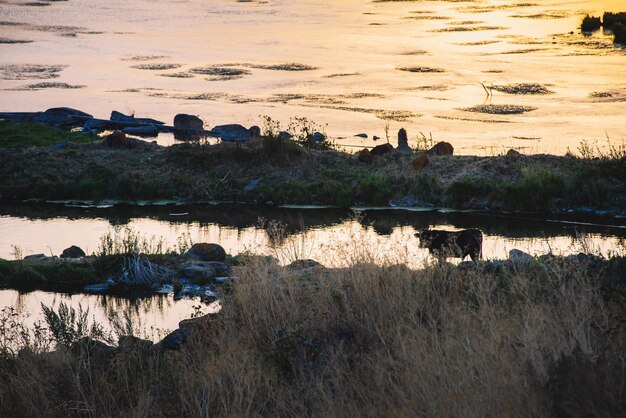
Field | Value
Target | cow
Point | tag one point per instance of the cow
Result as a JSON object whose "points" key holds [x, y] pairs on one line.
{"points": [[452, 244]]}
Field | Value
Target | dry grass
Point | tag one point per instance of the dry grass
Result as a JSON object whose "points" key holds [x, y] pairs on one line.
{"points": [[371, 339]]}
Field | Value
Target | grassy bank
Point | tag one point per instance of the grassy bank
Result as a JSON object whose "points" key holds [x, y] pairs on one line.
{"points": [[538, 339], [290, 173]]}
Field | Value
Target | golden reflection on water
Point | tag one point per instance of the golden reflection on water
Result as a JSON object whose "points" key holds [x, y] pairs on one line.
{"points": [[357, 46], [334, 245]]}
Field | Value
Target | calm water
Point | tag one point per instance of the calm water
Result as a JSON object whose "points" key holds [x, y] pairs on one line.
{"points": [[218, 59], [332, 236]]}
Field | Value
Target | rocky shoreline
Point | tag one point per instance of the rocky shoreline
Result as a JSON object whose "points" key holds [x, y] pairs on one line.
{"points": [[280, 168]]}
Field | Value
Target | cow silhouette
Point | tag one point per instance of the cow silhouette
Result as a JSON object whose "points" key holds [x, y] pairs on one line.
{"points": [[445, 244]]}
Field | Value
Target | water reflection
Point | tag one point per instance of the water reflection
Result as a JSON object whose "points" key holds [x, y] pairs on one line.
{"points": [[151, 317], [46, 228]]}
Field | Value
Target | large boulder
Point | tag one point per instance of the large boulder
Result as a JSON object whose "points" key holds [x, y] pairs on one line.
{"points": [[62, 116], [184, 122], [116, 139], [120, 117], [382, 149], [95, 125], [232, 133], [420, 162], [442, 148], [129, 343], [198, 273], [403, 142], [207, 252], [520, 257], [365, 156], [513, 153], [73, 252], [147, 131]]}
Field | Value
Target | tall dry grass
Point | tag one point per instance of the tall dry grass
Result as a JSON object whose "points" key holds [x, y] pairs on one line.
{"points": [[371, 339]]}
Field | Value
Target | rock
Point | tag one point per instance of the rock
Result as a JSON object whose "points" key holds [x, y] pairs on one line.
{"points": [[62, 116], [284, 135], [165, 289], [73, 252], [476, 203], [255, 132], [513, 153], [201, 322], [184, 122], [116, 139], [252, 185], [194, 290], [132, 343], [95, 349], [95, 125], [232, 133], [120, 117], [520, 257], [382, 149], [304, 264], [495, 266], [174, 340], [18, 116], [403, 142], [198, 274], [61, 145], [467, 264], [148, 131], [375, 138], [97, 288], [420, 162], [207, 252], [226, 279], [317, 137], [442, 148], [365, 156], [35, 256]]}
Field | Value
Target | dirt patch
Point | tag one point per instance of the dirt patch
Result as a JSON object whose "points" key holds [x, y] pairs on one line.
{"points": [[472, 119], [499, 109], [293, 66], [156, 67], [143, 57], [47, 85], [14, 41], [547, 14], [610, 96], [522, 88], [469, 28], [177, 75], [419, 69], [217, 73], [337, 75], [30, 71], [477, 43]]}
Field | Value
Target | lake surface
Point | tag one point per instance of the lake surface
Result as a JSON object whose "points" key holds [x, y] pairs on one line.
{"points": [[224, 60], [334, 237]]}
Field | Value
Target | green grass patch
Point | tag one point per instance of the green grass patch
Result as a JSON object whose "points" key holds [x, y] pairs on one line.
{"points": [[17, 135]]}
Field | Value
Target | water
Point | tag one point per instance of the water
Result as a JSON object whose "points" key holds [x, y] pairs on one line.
{"points": [[356, 46], [334, 237]]}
